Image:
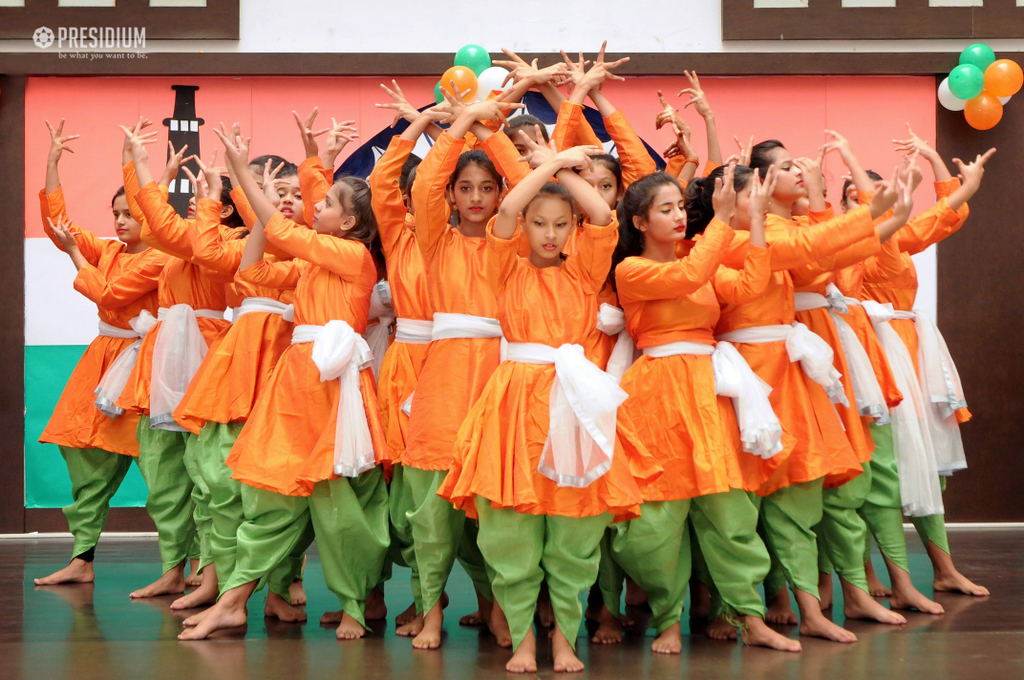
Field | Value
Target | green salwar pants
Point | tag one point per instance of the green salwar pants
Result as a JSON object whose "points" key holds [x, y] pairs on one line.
{"points": [[350, 519], [169, 503], [95, 477], [525, 550]]}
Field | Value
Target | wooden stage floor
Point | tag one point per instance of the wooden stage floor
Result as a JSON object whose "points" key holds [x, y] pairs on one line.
{"points": [[93, 631]]}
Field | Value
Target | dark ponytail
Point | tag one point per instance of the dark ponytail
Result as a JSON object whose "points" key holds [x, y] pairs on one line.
{"points": [[636, 202], [700, 194]]}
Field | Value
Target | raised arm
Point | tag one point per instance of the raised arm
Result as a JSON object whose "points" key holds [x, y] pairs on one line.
{"points": [[700, 102], [386, 197], [639, 279], [124, 288]]}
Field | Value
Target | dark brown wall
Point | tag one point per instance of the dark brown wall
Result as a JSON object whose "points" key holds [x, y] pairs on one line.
{"points": [[981, 280], [12, 304]]}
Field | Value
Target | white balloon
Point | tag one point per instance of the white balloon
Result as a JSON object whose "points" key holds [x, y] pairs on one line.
{"points": [[489, 80], [948, 99], [1003, 100]]}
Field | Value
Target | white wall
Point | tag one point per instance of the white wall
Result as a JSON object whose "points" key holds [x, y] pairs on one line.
{"points": [[528, 25]]}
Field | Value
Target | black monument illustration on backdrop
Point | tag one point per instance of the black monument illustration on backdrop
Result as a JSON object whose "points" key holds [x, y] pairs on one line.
{"points": [[183, 128]]}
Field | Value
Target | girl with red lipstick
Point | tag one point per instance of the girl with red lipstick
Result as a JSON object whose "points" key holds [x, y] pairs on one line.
{"points": [[843, 529], [121, 278], [671, 308]]}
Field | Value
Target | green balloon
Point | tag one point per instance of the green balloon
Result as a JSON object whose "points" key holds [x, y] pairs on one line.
{"points": [[979, 55], [475, 58], [966, 81], [438, 97]]}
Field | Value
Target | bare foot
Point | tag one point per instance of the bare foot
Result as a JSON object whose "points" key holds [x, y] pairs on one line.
{"points": [[375, 607], [408, 615], [956, 582], [349, 628], [195, 579], [277, 608], [670, 641], [700, 599], [566, 660], [609, 632], [171, 583], [875, 586], [217, 618], [635, 595], [814, 623], [825, 590], [433, 624], [412, 628], [332, 617], [195, 619], [858, 604], [473, 620], [721, 629], [79, 571], [906, 596], [524, 660], [297, 593], [499, 626], [757, 634], [205, 594], [780, 611]]}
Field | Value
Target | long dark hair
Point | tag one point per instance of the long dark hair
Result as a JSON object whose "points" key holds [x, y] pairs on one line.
{"points": [[234, 220], [637, 202], [700, 193], [354, 193]]}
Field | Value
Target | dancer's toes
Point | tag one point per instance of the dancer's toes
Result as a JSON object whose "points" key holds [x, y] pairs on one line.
{"points": [[958, 583], [349, 628], [757, 634], [78, 571], [171, 583], [297, 593], [566, 660], [524, 660], [278, 608], [670, 641], [609, 631], [408, 615], [721, 629]]}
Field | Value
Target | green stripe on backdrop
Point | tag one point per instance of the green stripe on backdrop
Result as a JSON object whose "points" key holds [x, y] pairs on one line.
{"points": [[47, 369]]}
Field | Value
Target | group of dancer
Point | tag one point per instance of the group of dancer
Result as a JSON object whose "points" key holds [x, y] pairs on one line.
{"points": [[561, 367]]}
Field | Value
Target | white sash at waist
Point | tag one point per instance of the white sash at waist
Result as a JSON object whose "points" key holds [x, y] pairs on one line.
{"points": [[262, 304], [583, 404], [612, 321], [112, 384], [178, 352], [377, 336], [814, 354], [108, 331], [448, 325], [760, 430], [340, 354], [413, 331], [912, 422], [871, 401]]}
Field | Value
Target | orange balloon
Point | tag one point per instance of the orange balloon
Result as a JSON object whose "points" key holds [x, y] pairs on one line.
{"points": [[1003, 78], [464, 79], [984, 111]]}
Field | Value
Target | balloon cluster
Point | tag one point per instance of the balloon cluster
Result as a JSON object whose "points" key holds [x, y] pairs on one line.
{"points": [[472, 75], [980, 85]]}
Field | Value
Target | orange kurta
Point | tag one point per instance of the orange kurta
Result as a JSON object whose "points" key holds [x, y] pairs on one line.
{"points": [[692, 432], [234, 372], [820, 447], [455, 370], [499, 446], [636, 162], [181, 282], [919, 233], [122, 285], [814, 277], [287, 444], [407, 276]]}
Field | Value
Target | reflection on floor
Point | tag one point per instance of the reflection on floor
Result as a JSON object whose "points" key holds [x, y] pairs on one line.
{"points": [[94, 631]]}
